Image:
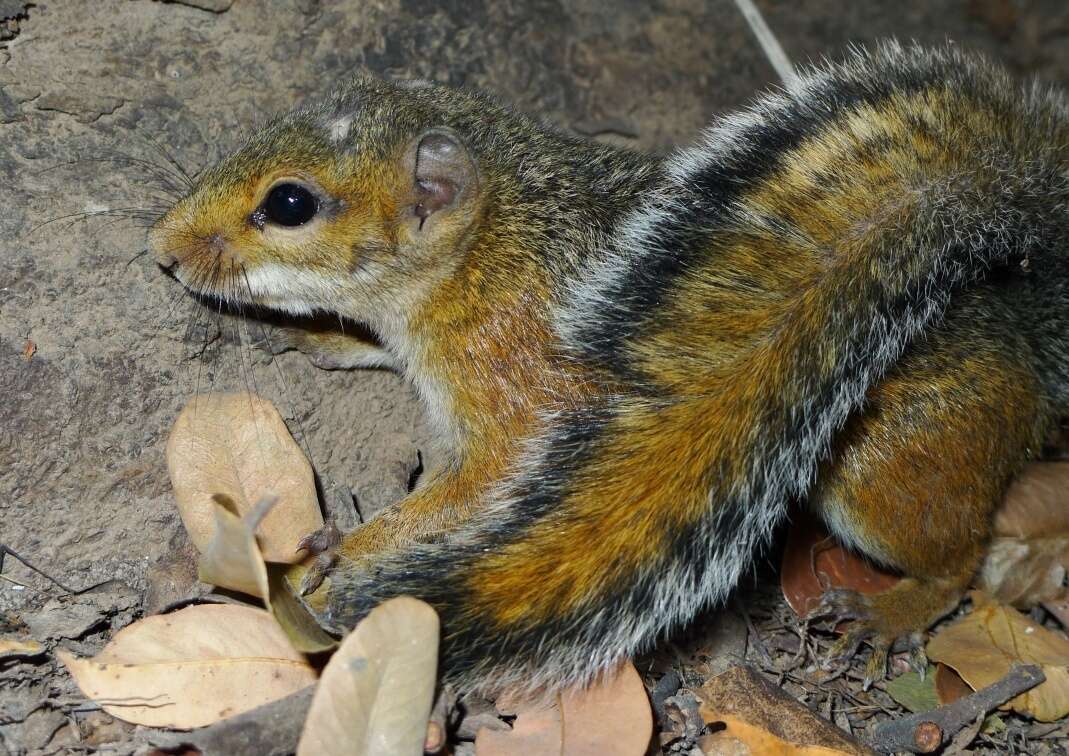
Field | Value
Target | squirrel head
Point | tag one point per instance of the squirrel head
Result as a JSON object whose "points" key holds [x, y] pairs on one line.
{"points": [[353, 206]]}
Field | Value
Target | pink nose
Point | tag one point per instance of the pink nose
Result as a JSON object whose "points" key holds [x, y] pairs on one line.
{"points": [[216, 242]]}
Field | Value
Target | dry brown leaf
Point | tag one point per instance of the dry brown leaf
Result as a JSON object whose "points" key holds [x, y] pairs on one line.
{"points": [[616, 712], [1026, 563], [949, 687], [1024, 572], [1059, 609], [742, 738], [376, 692], [985, 644], [304, 632], [537, 730], [813, 562], [192, 667], [612, 716], [766, 719], [11, 648], [232, 560], [237, 446], [1036, 503]]}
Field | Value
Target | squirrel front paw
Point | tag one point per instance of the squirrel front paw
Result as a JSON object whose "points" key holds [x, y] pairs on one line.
{"points": [[329, 350], [322, 544]]}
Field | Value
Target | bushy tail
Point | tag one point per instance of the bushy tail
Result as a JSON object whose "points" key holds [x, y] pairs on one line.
{"points": [[629, 516]]}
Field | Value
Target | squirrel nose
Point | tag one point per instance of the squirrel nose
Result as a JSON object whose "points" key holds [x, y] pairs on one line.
{"points": [[216, 242], [158, 246], [168, 257]]}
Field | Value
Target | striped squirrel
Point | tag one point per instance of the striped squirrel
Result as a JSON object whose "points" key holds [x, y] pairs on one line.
{"points": [[853, 292]]}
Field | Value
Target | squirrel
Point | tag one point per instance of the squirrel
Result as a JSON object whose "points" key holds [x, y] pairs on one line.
{"points": [[854, 293]]}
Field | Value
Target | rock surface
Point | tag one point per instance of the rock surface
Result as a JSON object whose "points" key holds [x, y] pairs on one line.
{"points": [[99, 350]]}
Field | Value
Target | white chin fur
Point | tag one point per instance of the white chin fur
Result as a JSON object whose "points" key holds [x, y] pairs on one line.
{"points": [[293, 290]]}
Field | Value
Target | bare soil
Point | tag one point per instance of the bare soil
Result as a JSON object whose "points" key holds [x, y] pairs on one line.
{"points": [[99, 350]]}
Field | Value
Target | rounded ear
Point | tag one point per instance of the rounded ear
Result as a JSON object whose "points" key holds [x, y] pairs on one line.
{"points": [[443, 175]]}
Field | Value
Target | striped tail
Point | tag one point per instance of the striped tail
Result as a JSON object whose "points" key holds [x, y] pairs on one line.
{"points": [[627, 517]]}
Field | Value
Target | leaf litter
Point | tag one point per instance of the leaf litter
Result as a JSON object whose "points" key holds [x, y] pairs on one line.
{"points": [[224, 480], [192, 667], [236, 446]]}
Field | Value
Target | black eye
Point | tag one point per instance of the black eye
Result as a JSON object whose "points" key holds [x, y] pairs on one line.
{"points": [[290, 205]]}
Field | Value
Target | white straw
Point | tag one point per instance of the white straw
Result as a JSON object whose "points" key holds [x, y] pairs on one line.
{"points": [[771, 46]]}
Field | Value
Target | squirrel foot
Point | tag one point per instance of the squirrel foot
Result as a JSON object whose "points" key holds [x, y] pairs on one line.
{"points": [[873, 621], [322, 544], [277, 340], [328, 350]]}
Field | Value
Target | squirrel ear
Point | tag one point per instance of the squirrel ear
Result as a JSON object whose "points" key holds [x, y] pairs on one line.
{"points": [[443, 174]]}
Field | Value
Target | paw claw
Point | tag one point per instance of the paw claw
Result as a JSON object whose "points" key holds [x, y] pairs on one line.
{"points": [[321, 544], [918, 660], [848, 644], [321, 541], [865, 625], [840, 604], [876, 668]]}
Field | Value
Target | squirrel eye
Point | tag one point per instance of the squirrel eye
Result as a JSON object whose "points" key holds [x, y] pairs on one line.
{"points": [[290, 205]]}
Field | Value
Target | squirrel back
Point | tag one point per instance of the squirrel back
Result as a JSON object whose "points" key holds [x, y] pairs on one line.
{"points": [[742, 312], [641, 363]]}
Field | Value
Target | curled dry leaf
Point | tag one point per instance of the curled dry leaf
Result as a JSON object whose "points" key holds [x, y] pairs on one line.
{"points": [[233, 560], [192, 668], [237, 446], [1026, 563], [612, 716], [948, 685], [1023, 573], [376, 692], [987, 643], [296, 621]]}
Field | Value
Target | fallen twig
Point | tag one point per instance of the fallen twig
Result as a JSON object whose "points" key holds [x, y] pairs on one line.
{"points": [[927, 731], [5, 550], [438, 726]]}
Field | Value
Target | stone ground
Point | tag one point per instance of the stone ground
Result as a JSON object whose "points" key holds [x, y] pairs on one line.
{"points": [[98, 351]]}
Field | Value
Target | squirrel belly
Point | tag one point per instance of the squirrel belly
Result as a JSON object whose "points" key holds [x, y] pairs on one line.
{"points": [[854, 292]]}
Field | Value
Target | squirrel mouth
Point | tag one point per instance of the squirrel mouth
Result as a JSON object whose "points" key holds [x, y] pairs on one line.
{"points": [[211, 276], [209, 265]]}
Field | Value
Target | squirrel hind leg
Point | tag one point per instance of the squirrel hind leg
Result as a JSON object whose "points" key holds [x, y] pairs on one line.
{"points": [[891, 621], [916, 476]]}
